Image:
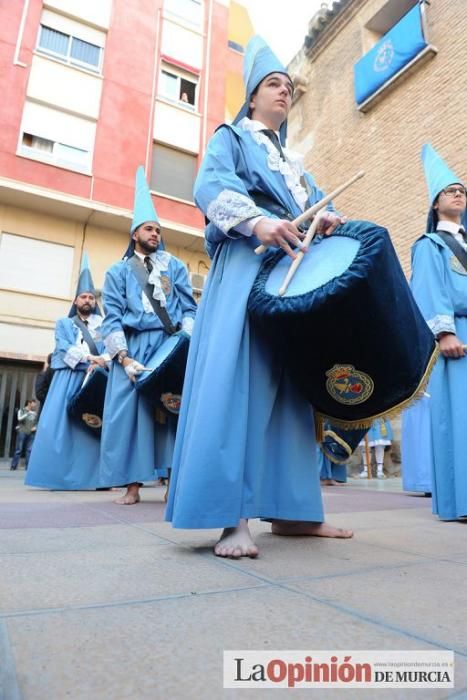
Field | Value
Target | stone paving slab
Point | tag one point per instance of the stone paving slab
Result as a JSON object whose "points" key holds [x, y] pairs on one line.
{"points": [[173, 648], [104, 602], [110, 575], [428, 599]]}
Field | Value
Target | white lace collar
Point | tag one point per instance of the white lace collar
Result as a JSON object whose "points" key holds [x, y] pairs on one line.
{"points": [[291, 169], [160, 262]]}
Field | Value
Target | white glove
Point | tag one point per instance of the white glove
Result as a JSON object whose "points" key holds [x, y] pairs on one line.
{"points": [[132, 370]]}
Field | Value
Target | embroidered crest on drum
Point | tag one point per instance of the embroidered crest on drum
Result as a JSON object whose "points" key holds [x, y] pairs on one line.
{"points": [[171, 402], [91, 420], [348, 385], [457, 266], [165, 284]]}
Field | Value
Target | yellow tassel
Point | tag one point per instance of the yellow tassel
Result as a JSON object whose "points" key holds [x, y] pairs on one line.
{"points": [[319, 429]]}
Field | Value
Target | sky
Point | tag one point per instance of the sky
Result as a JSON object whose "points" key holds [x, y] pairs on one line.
{"points": [[282, 24]]}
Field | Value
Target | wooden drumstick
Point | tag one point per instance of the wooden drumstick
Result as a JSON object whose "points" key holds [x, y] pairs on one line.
{"points": [[319, 205], [295, 263]]}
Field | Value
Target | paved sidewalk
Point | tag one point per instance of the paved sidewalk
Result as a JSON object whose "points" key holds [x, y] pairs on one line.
{"points": [[105, 602]]}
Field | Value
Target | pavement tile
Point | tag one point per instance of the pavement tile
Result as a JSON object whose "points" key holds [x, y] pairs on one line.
{"points": [[115, 574], [43, 540], [173, 648], [429, 599], [433, 538]]}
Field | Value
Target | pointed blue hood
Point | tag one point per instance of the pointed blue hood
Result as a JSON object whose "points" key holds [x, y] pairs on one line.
{"points": [[143, 209], [258, 63], [438, 176], [85, 284]]}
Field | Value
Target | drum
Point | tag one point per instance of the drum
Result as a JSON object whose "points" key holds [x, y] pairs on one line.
{"points": [[338, 444], [162, 386], [86, 406], [347, 328]]}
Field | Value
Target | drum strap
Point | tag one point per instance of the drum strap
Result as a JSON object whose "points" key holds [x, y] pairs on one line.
{"points": [[455, 247], [265, 202], [87, 337], [141, 274]]}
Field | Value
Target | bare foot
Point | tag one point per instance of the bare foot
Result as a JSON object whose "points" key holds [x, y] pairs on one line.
{"points": [[236, 542], [329, 482], [288, 527], [130, 498]]}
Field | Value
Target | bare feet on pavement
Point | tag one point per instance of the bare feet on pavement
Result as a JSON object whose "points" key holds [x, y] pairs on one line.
{"points": [[130, 498], [290, 528], [236, 542]]}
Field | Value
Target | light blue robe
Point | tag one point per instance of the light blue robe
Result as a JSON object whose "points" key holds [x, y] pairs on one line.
{"points": [[439, 284], [416, 447], [133, 444], [380, 433], [329, 470], [245, 444], [65, 456]]}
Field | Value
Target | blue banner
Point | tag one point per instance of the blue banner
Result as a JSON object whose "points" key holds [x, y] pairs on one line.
{"points": [[392, 52]]}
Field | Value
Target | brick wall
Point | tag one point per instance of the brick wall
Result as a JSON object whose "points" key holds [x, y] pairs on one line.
{"points": [[429, 105]]}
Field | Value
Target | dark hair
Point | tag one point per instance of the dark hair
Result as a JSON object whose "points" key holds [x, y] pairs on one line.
{"points": [[248, 114], [49, 358]]}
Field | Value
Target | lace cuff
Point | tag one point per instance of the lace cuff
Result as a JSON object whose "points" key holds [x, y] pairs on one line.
{"points": [[442, 323], [115, 342], [230, 208], [73, 356], [187, 324]]}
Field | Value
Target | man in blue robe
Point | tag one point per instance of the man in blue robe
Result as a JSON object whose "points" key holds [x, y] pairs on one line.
{"points": [[439, 284], [65, 456], [245, 444], [133, 444]]}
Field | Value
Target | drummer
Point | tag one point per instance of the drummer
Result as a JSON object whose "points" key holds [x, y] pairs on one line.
{"points": [[65, 456], [133, 444], [245, 445]]}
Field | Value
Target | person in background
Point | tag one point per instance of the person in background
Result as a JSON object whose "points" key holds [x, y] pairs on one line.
{"points": [[26, 430]]}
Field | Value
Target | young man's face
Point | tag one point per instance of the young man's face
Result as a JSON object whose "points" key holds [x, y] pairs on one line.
{"points": [[451, 202], [147, 237], [85, 303], [272, 101]]}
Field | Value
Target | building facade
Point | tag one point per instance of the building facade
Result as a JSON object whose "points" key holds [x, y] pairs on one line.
{"points": [[418, 97], [90, 91]]}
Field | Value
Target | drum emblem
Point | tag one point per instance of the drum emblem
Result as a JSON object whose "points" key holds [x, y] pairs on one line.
{"points": [[91, 420], [348, 385], [171, 402], [165, 284]]}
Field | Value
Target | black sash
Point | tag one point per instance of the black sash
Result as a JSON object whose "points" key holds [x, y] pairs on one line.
{"points": [[455, 247], [86, 335], [265, 202], [140, 272]]}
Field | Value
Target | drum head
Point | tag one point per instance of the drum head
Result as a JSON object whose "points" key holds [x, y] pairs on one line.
{"points": [[327, 258]]}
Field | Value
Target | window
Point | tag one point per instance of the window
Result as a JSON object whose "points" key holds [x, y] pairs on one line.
{"points": [[34, 266], [178, 86], [189, 10], [57, 138], [69, 48], [173, 172]]}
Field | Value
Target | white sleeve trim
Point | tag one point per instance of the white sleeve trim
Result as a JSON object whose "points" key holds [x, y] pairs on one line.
{"points": [[74, 356], [115, 342], [230, 208], [442, 323]]}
